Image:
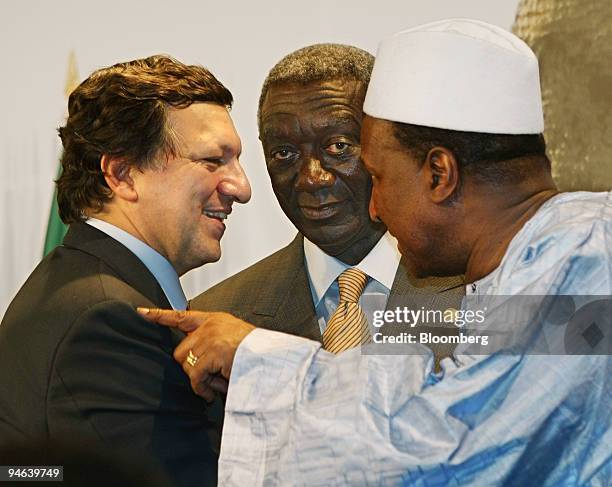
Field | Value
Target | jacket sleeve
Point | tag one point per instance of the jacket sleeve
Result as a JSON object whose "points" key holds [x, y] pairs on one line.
{"points": [[114, 381]]}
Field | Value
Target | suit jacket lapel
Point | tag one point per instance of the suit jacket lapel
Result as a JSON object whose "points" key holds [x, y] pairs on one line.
{"points": [[287, 299], [126, 265]]}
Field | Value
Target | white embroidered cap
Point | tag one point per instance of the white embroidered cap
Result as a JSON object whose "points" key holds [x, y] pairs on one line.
{"points": [[457, 74]]}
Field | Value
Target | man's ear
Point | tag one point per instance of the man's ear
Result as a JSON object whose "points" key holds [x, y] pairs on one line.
{"points": [[442, 171], [118, 176]]}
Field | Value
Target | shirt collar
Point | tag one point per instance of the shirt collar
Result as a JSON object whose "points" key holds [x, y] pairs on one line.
{"points": [[323, 269], [157, 264]]}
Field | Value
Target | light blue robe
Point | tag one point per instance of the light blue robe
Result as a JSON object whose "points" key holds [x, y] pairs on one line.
{"points": [[297, 415]]}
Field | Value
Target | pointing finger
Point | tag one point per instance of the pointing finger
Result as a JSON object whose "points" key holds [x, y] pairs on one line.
{"points": [[186, 321]]}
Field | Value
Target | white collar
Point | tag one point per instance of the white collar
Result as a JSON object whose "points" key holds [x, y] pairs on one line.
{"points": [[157, 264], [323, 269]]}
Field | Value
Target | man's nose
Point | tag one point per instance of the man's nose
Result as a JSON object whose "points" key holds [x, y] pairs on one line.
{"points": [[313, 176], [235, 183]]}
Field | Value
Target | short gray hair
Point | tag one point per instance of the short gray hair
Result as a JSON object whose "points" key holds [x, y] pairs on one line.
{"points": [[319, 62]]}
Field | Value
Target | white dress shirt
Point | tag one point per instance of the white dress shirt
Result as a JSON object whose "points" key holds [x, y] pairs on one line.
{"points": [[157, 264], [323, 270]]}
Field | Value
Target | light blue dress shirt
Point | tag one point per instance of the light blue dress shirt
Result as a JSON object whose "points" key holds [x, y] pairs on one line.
{"points": [[298, 415], [157, 264], [380, 265]]}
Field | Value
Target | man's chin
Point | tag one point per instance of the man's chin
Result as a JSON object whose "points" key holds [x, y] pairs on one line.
{"points": [[333, 247], [212, 259], [213, 255], [209, 256], [331, 236]]}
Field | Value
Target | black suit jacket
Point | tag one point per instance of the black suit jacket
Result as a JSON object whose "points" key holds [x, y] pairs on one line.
{"points": [[78, 363], [275, 293]]}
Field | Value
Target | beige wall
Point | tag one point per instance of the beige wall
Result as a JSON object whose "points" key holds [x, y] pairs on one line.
{"points": [[573, 41]]}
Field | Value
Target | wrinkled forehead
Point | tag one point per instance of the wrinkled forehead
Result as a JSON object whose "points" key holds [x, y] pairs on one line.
{"points": [[322, 105]]}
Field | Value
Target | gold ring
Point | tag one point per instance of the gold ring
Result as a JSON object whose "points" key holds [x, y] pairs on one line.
{"points": [[191, 358]]}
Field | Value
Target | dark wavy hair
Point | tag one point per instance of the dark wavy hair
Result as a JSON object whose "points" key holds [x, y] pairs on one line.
{"points": [[120, 111]]}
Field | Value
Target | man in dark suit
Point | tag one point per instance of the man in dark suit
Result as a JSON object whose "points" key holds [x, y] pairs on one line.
{"points": [[149, 172], [310, 113]]}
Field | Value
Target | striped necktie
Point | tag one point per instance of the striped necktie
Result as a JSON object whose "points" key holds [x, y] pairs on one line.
{"points": [[348, 326]]}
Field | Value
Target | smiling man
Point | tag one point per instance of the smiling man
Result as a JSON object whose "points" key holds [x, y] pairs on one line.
{"points": [[150, 171], [310, 115]]}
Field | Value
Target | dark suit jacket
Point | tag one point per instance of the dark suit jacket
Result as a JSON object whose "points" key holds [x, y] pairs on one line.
{"points": [[275, 293], [78, 363]]}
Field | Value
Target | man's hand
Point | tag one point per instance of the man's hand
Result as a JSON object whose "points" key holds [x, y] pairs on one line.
{"points": [[207, 352]]}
